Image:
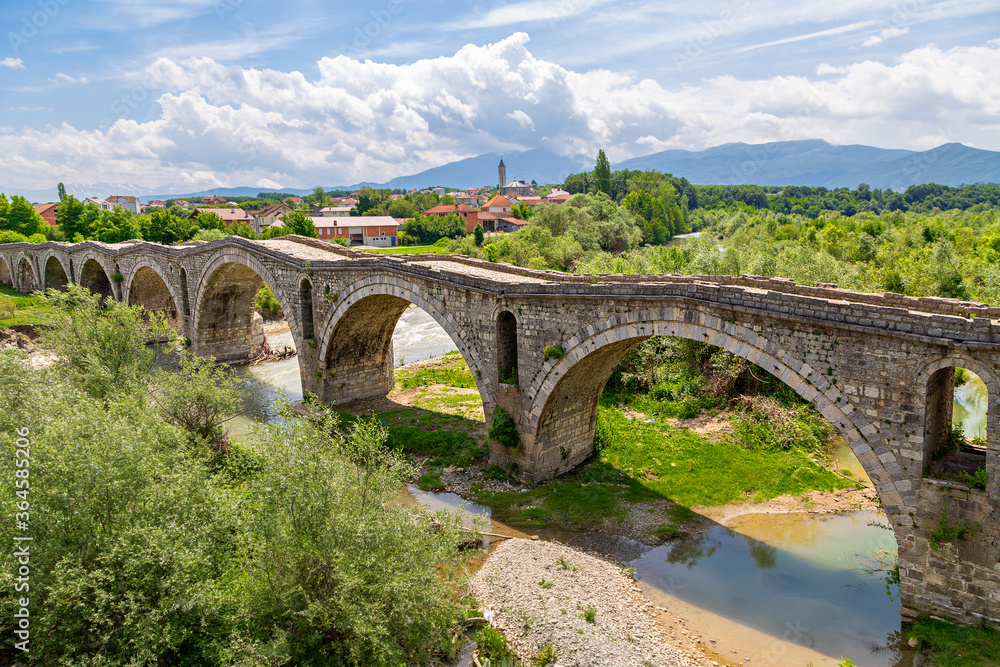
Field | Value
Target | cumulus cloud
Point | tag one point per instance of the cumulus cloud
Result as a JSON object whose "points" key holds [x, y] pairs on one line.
{"points": [[226, 125], [12, 63], [887, 33]]}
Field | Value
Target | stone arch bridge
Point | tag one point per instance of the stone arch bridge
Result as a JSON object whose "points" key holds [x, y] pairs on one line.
{"points": [[877, 366]]}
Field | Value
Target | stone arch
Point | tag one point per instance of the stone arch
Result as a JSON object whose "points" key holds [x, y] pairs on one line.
{"points": [[27, 281], [935, 401], [366, 314], [563, 398], [55, 273], [5, 274], [147, 286], [95, 277], [224, 307]]}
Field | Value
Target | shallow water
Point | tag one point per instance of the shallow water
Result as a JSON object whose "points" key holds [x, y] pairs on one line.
{"points": [[784, 587]]}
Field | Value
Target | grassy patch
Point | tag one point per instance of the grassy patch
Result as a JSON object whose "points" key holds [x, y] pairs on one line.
{"points": [[691, 470], [27, 309], [446, 448], [453, 377], [952, 645], [431, 481]]}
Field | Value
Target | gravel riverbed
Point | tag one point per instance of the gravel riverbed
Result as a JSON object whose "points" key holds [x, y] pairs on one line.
{"points": [[590, 610]]}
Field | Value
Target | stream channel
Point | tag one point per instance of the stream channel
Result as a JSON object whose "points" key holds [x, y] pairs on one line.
{"points": [[766, 589]]}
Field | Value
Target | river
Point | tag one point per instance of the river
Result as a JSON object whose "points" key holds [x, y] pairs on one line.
{"points": [[773, 589]]}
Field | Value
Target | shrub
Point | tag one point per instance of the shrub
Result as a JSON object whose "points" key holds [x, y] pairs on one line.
{"points": [[976, 480], [199, 396], [553, 351], [267, 305], [504, 430]]}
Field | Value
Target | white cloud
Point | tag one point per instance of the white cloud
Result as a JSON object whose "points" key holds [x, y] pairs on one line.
{"points": [[227, 125], [887, 33], [12, 63], [812, 35], [528, 11], [67, 79]]}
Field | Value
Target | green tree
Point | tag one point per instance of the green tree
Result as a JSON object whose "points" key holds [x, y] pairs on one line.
{"points": [[22, 217], [115, 226], [164, 227], [479, 234], [210, 220], [101, 345], [602, 174], [299, 223], [199, 397], [319, 196], [521, 211], [72, 217], [401, 208], [62, 191]]}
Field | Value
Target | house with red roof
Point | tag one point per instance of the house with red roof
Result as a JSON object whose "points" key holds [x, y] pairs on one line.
{"points": [[467, 213], [48, 213], [498, 204], [370, 230], [231, 216], [127, 202]]}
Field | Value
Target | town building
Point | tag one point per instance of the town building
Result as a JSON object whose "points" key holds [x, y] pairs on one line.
{"points": [[48, 213], [268, 216], [467, 213], [375, 230], [213, 201], [127, 202], [231, 216]]}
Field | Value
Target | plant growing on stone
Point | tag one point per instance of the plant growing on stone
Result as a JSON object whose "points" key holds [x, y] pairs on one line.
{"points": [[504, 430], [553, 351]]}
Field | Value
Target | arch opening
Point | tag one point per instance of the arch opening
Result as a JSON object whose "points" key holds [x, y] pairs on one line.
{"points": [[357, 352], [26, 281], [149, 290], [95, 278], [55, 275], [956, 426], [5, 277], [185, 305], [566, 395], [507, 348], [306, 309], [228, 326]]}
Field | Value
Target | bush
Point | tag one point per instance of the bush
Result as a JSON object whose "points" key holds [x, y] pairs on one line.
{"points": [[504, 430], [267, 305], [553, 351], [199, 396]]}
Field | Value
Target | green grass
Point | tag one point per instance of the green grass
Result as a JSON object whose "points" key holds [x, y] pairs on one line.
{"points": [[691, 470], [431, 481], [453, 377], [28, 309], [952, 645]]}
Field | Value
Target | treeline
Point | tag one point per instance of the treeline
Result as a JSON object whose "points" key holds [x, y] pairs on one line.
{"points": [[813, 201], [953, 254]]}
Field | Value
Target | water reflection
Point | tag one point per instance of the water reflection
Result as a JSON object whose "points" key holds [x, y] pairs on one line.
{"points": [[767, 571]]}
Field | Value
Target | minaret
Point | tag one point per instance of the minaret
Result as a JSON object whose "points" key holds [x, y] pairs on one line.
{"points": [[503, 175]]}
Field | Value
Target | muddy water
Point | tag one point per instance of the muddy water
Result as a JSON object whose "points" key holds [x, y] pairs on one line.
{"points": [[778, 589]]}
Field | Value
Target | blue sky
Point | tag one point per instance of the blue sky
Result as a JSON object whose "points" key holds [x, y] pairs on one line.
{"points": [[192, 94]]}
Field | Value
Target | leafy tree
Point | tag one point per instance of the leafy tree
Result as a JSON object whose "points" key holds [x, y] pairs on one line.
{"points": [[21, 217], [76, 217], [101, 345], [62, 191], [425, 230], [479, 234], [299, 223], [602, 174], [210, 220], [199, 396], [209, 235], [319, 196], [115, 226], [164, 227], [371, 202], [401, 208], [521, 211]]}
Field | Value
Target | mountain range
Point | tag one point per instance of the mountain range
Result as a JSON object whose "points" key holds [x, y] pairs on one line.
{"points": [[812, 162]]}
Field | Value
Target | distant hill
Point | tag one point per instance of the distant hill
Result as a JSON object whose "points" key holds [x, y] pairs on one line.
{"points": [[816, 162], [811, 162]]}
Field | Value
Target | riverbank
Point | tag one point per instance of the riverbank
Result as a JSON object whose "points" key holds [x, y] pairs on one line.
{"points": [[584, 610]]}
